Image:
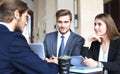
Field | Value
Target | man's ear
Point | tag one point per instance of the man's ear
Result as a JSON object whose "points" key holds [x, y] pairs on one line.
{"points": [[16, 14]]}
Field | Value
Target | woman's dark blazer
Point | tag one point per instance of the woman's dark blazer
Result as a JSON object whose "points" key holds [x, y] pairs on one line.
{"points": [[113, 64]]}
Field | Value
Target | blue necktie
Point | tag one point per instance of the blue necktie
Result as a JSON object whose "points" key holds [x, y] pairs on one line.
{"points": [[61, 49]]}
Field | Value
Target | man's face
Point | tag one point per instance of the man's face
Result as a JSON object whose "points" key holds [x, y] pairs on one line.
{"points": [[22, 22], [63, 24]]}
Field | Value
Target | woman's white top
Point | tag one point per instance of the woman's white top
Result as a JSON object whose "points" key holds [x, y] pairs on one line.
{"points": [[103, 57]]}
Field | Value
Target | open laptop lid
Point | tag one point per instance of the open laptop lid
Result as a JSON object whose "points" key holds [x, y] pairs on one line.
{"points": [[38, 48]]}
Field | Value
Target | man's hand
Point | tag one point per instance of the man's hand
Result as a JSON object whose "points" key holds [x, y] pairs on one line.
{"points": [[53, 59]]}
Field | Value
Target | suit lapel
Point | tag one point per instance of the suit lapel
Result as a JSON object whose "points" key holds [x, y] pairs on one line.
{"points": [[112, 50], [68, 44], [54, 43], [96, 51]]}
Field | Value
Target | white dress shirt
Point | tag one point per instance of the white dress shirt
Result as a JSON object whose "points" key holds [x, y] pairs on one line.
{"points": [[66, 36]]}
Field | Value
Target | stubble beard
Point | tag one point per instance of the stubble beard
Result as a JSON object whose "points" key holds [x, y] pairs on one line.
{"points": [[17, 27]]}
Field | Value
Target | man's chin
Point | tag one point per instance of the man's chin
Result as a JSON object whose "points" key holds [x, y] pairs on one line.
{"points": [[63, 32]]}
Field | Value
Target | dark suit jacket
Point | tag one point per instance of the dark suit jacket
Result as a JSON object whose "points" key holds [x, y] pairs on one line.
{"points": [[16, 57], [113, 64], [73, 45]]}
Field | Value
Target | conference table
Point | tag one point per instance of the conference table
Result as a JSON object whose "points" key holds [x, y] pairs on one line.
{"points": [[85, 70], [100, 72], [75, 67]]}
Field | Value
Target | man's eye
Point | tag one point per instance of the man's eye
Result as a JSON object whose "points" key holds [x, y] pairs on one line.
{"points": [[66, 21], [59, 21]]}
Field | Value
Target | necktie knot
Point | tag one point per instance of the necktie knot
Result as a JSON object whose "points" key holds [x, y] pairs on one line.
{"points": [[62, 37]]}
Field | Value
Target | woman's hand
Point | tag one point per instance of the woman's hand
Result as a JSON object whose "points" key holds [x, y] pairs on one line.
{"points": [[94, 37], [90, 62]]}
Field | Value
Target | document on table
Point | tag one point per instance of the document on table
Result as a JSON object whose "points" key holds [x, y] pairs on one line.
{"points": [[76, 60], [80, 68]]}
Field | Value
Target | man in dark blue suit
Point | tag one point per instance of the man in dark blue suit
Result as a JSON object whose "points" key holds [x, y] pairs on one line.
{"points": [[72, 42], [16, 57]]}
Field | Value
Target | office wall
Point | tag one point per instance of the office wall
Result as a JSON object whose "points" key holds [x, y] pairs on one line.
{"points": [[30, 4], [44, 18], [50, 16], [87, 11], [39, 20]]}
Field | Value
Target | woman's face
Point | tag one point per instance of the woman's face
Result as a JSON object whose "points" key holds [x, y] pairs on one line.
{"points": [[100, 27]]}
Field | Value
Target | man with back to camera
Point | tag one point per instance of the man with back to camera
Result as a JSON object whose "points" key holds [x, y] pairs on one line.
{"points": [[16, 57], [72, 43]]}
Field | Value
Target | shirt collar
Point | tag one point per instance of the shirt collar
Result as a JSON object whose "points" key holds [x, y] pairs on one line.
{"points": [[7, 25], [65, 35]]}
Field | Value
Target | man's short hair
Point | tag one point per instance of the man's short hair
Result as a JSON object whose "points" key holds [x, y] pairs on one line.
{"points": [[63, 12], [7, 8]]}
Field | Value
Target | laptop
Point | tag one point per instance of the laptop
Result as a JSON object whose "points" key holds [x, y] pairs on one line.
{"points": [[38, 48]]}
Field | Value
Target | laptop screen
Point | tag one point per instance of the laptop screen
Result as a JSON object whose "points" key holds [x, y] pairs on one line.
{"points": [[38, 48]]}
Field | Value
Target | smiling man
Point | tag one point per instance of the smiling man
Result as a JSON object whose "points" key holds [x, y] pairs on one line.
{"points": [[70, 42]]}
